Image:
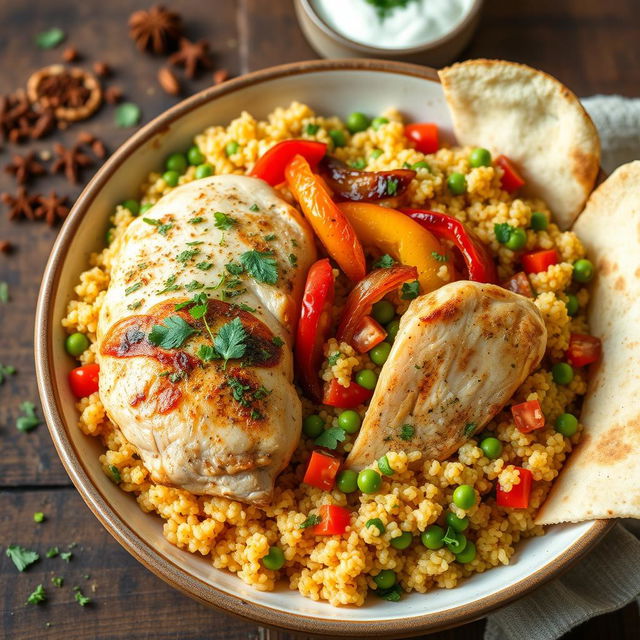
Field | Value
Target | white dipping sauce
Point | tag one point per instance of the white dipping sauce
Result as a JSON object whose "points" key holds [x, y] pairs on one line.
{"points": [[417, 23]]}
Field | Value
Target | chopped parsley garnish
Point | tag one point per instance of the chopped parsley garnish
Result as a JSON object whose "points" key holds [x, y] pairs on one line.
{"points": [[384, 262], [410, 290], [223, 221], [311, 129], [52, 552], [392, 186], [132, 288], [256, 415], [193, 285], [231, 340], [134, 305], [58, 581], [358, 163], [194, 243], [38, 516], [440, 257], [261, 265], [234, 268], [170, 284], [6, 370], [29, 420], [330, 438], [270, 236], [176, 376], [206, 353], [311, 521], [333, 358], [407, 432], [384, 8], [294, 242], [38, 596], [4, 292], [81, 599], [186, 255], [469, 428], [204, 266], [293, 259], [392, 594], [277, 340], [246, 307], [254, 207], [503, 232], [239, 391], [66, 555], [161, 228], [21, 557], [115, 473], [172, 334], [195, 220]]}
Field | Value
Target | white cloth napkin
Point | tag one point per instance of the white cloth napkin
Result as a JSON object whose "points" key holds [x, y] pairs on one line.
{"points": [[608, 578]]}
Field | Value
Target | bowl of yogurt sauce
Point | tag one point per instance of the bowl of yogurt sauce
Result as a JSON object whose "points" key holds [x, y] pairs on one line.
{"points": [[428, 31]]}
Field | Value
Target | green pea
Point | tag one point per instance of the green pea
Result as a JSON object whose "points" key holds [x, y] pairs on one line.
{"points": [[377, 523], [385, 579], [457, 524], [562, 373], [457, 183], [347, 481], [392, 330], [468, 554], [480, 157], [432, 537], [176, 162], [464, 496], [402, 541], [491, 447], [145, 207], [369, 481], [350, 421], [203, 171], [539, 221], [383, 311], [274, 560], [195, 156], [376, 123], [231, 148], [456, 542], [132, 205], [582, 270], [367, 379], [338, 137], [566, 424], [313, 426], [76, 344], [171, 178], [517, 240], [380, 353], [357, 121], [572, 304], [421, 165], [384, 466]]}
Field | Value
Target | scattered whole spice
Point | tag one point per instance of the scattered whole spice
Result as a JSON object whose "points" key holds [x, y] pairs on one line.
{"points": [[52, 208], [5, 246], [220, 76], [102, 69], [23, 168], [156, 30], [192, 56], [22, 205], [70, 161], [113, 95], [95, 144], [168, 81], [70, 54]]}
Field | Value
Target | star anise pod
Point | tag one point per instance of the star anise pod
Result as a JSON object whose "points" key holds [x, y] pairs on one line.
{"points": [[22, 205], [52, 208], [70, 161], [156, 29], [192, 55], [25, 167]]}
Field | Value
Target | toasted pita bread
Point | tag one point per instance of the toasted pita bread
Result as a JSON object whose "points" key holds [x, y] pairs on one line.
{"points": [[602, 476], [535, 121]]}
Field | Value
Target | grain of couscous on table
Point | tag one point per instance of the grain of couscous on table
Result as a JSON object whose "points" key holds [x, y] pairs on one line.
{"points": [[343, 569]]}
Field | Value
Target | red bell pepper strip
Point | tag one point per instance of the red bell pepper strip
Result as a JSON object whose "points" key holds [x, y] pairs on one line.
{"points": [[518, 497], [313, 326], [511, 179], [367, 292], [334, 520], [350, 397], [476, 256], [583, 350], [425, 136], [519, 283], [271, 164], [528, 416], [321, 471], [539, 261], [368, 334], [84, 380]]}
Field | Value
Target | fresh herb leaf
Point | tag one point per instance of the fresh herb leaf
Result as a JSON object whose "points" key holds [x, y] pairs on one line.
{"points": [[81, 599], [170, 284], [407, 432], [204, 266], [161, 228], [50, 38], [176, 376], [207, 353], [385, 8], [256, 415], [469, 428], [293, 259], [333, 358], [21, 557], [294, 242], [127, 115], [52, 552], [29, 420], [261, 265], [6, 370], [115, 473], [254, 207], [270, 236], [195, 220], [58, 581], [66, 555], [172, 334], [440, 257], [277, 340], [311, 521], [392, 186], [230, 341], [234, 268], [38, 516], [410, 290], [223, 221], [184, 256], [503, 232], [246, 307], [358, 163], [4, 292], [330, 438], [384, 262], [392, 594], [239, 391], [195, 243], [200, 305], [311, 129], [38, 596], [193, 285], [134, 305], [450, 536], [132, 288]]}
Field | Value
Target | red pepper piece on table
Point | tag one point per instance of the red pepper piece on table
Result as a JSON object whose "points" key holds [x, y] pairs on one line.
{"points": [[479, 262], [345, 397], [528, 416], [321, 471], [539, 261], [518, 497], [334, 520], [84, 380], [271, 164], [425, 136], [583, 349], [511, 179]]}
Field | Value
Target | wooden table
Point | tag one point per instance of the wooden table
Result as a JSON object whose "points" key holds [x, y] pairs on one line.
{"points": [[589, 44]]}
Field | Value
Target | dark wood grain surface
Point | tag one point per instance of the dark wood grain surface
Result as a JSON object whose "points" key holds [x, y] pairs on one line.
{"points": [[592, 45]]}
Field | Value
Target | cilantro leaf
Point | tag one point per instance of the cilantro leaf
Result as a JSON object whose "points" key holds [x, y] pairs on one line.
{"points": [[6, 370], [170, 284], [392, 186], [407, 432], [293, 259], [132, 288], [200, 305], [161, 228], [115, 473], [384, 262], [410, 290], [333, 358], [246, 307], [223, 221], [261, 265], [184, 256], [172, 334], [193, 285], [392, 594], [21, 557], [204, 266], [503, 232], [230, 341], [254, 207], [440, 257], [29, 420], [37, 596], [52, 552], [330, 438], [270, 236], [311, 521], [256, 415], [206, 353], [195, 220], [66, 555], [58, 581], [469, 428], [81, 599], [234, 268], [277, 340]]}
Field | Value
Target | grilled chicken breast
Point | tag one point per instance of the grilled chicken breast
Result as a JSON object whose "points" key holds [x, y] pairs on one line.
{"points": [[200, 422], [459, 355]]}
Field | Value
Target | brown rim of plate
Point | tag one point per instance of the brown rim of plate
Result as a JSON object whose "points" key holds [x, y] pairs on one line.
{"points": [[366, 49], [98, 503]]}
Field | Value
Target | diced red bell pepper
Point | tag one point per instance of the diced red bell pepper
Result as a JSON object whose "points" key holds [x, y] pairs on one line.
{"points": [[368, 334], [519, 283], [528, 416], [314, 325], [425, 135], [511, 179], [334, 520], [84, 380], [350, 397], [518, 497], [539, 261], [583, 350], [271, 165], [321, 471]]}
